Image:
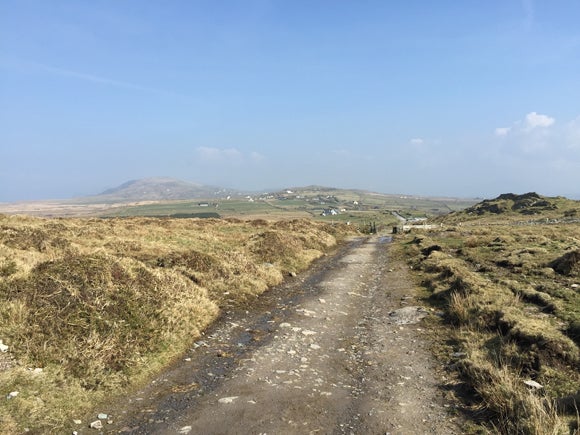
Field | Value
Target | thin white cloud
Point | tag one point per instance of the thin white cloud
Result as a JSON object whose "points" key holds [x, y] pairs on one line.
{"points": [[535, 120], [417, 141], [540, 136], [77, 75], [502, 131], [228, 155], [257, 157], [209, 153], [532, 121]]}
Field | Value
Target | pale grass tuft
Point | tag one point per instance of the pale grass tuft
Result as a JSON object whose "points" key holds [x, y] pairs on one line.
{"points": [[517, 408], [514, 318]]}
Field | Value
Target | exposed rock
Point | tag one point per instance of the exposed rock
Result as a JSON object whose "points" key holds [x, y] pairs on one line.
{"points": [[533, 384], [227, 399], [408, 315], [528, 204], [97, 424], [3, 347]]}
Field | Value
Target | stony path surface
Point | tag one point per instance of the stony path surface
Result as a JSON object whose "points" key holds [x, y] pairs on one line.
{"points": [[338, 350]]}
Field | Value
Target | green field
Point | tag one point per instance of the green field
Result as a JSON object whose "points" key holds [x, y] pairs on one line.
{"points": [[357, 207]]}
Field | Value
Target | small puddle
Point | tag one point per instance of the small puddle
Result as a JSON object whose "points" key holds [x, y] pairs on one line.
{"points": [[385, 239]]}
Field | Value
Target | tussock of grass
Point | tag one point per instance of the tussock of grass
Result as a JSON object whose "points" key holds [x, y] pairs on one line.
{"points": [[568, 264], [98, 315], [519, 308], [511, 405], [100, 305], [540, 332]]}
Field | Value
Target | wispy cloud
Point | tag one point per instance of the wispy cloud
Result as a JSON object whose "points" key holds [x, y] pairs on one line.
{"points": [[257, 157], [502, 131], [83, 76], [417, 141], [227, 155], [540, 135], [532, 121], [210, 153]]}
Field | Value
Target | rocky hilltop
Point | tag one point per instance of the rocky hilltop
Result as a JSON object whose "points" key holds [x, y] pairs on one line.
{"points": [[529, 205]]}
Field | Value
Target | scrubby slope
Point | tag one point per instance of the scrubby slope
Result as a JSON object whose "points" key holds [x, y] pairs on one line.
{"points": [[509, 206], [510, 300]]}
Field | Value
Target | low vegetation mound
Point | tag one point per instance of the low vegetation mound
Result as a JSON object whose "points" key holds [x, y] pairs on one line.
{"points": [[97, 315], [510, 206], [527, 204], [90, 307], [511, 296], [568, 264]]}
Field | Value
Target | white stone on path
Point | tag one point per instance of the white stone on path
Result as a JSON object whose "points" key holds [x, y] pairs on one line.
{"points": [[227, 399], [97, 424]]}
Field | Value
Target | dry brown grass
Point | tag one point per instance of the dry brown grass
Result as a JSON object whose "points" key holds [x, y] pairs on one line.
{"points": [[514, 293], [100, 305], [512, 407]]}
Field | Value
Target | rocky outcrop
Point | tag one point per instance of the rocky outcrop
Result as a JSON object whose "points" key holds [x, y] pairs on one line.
{"points": [[528, 204]]}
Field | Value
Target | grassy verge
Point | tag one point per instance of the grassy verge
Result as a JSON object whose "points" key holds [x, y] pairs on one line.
{"points": [[509, 299], [90, 307]]}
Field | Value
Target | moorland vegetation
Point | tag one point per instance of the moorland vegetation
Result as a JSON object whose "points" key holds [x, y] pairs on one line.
{"points": [[91, 307], [505, 275]]}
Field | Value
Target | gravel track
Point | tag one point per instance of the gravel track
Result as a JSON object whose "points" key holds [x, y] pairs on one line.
{"points": [[339, 349]]}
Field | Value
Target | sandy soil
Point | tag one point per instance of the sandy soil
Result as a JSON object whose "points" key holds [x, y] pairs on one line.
{"points": [[327, 352]]}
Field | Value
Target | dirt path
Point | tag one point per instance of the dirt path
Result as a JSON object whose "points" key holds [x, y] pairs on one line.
{"points": [[322, 354]]}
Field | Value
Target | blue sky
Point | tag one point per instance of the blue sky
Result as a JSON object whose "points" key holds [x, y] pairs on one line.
{"points": [[458, 98]]}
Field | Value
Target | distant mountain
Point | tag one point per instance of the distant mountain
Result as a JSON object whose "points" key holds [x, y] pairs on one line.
{"points": [[158, 189]]}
